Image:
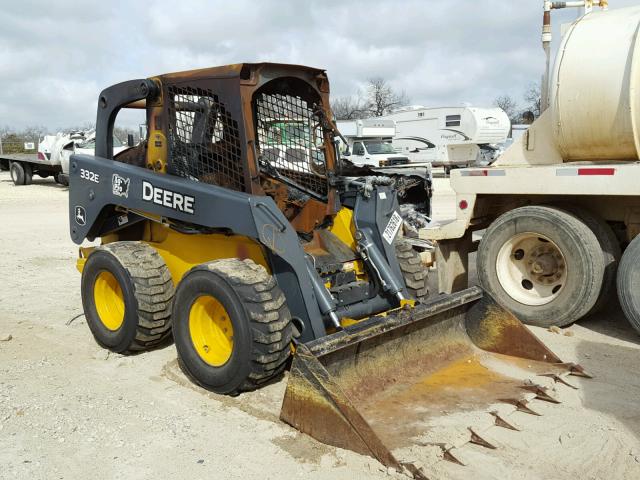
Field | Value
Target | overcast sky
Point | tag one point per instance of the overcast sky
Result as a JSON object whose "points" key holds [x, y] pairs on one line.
{"points": [[56, 56]]}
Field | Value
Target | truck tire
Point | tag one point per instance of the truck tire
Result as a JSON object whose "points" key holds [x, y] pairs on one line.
{"points": [[610, 247], [414, 273], [543, 264], [62, 179], [4, 165], [126, 294], [231, 326], [16, 169], [629, 283], [28, 173]]}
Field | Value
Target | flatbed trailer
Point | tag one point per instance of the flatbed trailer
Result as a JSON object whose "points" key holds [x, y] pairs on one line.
{"points": [[24, 165]]}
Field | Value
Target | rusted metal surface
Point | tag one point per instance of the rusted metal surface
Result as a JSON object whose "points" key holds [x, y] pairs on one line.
{"points": [[232, 160], [390, 387]]}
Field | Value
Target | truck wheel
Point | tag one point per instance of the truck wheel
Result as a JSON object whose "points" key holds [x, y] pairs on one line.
{"points": [[543, 264], [414, 272], [28, 173], [610, 247], [17, 173], [126, 294], [4, 165], [62, 179], [231, 326], [629, 283]]}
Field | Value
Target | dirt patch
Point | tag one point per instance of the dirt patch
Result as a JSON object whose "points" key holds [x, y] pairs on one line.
{"points": [[303, 448]]}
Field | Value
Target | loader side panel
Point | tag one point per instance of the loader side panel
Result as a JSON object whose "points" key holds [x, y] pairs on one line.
{"points": [[123, 193]]}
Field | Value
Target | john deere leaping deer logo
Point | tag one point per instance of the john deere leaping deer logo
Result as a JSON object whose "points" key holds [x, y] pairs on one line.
{"points": [[120, 186], [80, 216]]}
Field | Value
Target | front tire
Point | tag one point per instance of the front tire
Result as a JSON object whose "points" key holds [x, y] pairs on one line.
{"points": [[231, 326], [126, 294], [629, 283], [543, 264]]}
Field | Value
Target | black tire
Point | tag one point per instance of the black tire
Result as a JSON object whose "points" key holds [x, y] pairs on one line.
{"points": [[28, 174], [17, 172], [261, 321], [579, 247], [628, 282], [611, 250], [414, 273], [62, 179], [4, 165], [147, 290]]}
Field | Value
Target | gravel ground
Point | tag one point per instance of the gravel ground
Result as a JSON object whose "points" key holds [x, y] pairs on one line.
{"points": [[69, 409]]}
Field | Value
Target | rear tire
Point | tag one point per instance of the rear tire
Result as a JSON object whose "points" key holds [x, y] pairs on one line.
{"points": [[17, 172], [610, 247], [28, 174], [414, 273], [629, 283], [231, 326], [126, 294], [543, 264]]}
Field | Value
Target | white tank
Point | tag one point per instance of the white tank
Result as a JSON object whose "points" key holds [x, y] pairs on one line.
{"points": [[595, 87]]}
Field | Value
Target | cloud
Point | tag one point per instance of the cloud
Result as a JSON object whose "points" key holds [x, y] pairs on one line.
{"points": [[57, 57]]}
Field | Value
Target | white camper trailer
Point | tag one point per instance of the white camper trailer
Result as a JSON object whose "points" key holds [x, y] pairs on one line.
{"points": [[370, 142], [448, 137]]}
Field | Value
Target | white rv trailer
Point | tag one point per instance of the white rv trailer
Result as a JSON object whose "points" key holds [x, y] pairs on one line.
{"points": [[370, 142], [448, 137]]}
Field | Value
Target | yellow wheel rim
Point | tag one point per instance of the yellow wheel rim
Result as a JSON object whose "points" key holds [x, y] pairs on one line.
{"points": [[211, 330], [109, 301]]}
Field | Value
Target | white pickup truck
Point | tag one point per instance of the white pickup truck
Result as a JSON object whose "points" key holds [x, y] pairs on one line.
{"points": [[369, 143]]}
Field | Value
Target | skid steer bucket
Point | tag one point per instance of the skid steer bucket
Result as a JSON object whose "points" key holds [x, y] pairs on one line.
{"points": [[409, 387]]}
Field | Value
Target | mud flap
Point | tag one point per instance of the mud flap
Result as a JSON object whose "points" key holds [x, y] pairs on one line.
{"points": [[409, 387]]}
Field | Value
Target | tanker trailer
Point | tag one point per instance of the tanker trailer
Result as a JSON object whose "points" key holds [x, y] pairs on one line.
{"points": [[557, 210]]}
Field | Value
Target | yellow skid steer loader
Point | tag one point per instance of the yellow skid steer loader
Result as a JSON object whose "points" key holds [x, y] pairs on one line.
{"points": [[235, 227]]}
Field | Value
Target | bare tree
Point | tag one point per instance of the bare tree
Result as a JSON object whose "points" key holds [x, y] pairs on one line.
{"points": [[78, 127], [381, 99], [34, 133], [510, 107], [533, 97], [122, 133], [348, 108]]}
